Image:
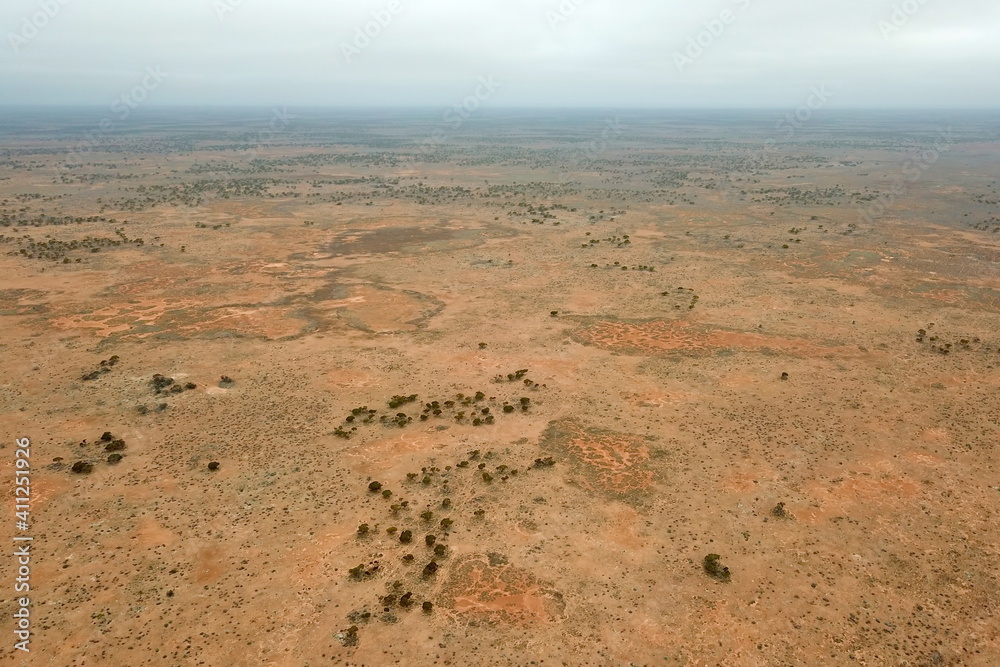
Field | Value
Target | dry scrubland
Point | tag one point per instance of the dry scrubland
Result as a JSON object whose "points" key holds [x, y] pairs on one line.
{"points": [[493, 404]]}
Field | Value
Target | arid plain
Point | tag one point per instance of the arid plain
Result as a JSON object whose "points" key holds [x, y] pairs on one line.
{"points": [[494, 399]]}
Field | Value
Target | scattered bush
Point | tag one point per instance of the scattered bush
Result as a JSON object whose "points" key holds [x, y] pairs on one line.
{"points": [[349, 637], [397, 401], [362, 572], [115, 446], [160, 383], [715, 569]]}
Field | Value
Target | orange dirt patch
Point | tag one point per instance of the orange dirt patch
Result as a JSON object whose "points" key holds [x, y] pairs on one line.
{"points": [[152, 534], [270, 323], [385, 453], [183, 317], [859, 496], [381, 310], [616, 463], [209, 565], [659, 337], [656, 336], [488, 588]]}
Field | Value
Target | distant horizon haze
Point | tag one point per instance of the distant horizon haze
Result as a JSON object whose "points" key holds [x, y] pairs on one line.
{"points": [[540, 54]]}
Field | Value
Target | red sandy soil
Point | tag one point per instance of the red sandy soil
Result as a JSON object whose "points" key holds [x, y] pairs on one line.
{"points": [[671, 431]]}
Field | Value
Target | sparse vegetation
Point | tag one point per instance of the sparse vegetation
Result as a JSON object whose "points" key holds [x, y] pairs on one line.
{"points": [[345, 276]]}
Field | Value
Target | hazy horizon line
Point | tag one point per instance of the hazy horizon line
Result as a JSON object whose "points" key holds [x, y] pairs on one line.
{"points": [[429, 107]]}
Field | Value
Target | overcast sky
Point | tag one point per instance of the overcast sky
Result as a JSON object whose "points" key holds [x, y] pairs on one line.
{"points": [[544, 53]]}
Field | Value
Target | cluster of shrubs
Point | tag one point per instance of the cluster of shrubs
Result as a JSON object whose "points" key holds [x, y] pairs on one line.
{"points": [[166, 385], [112, 447], [512, 377], [518, 375], [434, 529], [477, 416], [397, 401], [105, 367], [948, 348], [395, 599], [618, 241], [56, 249], [694, 297], [365, 570]]}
